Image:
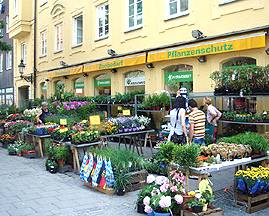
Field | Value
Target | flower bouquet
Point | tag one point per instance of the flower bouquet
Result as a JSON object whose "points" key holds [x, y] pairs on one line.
{"points": [[164, 195]]}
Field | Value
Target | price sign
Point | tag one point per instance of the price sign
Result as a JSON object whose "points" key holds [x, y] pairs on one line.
{"points": [[126, 112], [63, 121], [95, 120]]}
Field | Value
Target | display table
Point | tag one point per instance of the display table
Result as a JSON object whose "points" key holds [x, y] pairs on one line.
{"points": [[74, 149], [134, 137], [243, 123]]}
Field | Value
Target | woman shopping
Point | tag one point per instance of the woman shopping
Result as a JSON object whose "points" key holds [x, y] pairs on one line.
{"points": [[178, 132], [213, 115]]}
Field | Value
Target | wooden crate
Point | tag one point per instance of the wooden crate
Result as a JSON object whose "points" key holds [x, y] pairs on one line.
{"points": [[255, 203], [209, 212], [137, 180], [109, 191]]}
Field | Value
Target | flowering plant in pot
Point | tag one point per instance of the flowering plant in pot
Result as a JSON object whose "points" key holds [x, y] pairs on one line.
{"points": [[85, 137], [61, 154], [166, 194]]}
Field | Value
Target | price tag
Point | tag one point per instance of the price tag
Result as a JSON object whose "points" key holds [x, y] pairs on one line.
{"points": [[119, 108], [126, 112], [95, 120], [63, 121]]}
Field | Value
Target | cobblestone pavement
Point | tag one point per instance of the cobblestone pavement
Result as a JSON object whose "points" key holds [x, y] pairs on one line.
{"points": [[27, 189]]}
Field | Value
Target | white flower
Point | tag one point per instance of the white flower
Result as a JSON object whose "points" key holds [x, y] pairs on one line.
{"points": [[148, 209], [150, 179], [161, 180], [165, 202], [198, 195], [178, 199], [146, 201]]}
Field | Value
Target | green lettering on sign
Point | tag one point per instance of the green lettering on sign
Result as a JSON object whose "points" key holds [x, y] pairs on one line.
{"points": [[102, 83], [178, 76], [110, 65]]}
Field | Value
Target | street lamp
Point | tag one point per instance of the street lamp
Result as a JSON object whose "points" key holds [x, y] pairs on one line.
{"points": [[21, 70]]}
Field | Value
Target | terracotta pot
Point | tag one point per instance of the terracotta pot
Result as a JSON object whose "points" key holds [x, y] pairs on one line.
{"points": [[186, 198], [61, 163]]}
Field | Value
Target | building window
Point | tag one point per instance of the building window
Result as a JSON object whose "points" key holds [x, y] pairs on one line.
{"points": [[177, 8], [42, 2], [135, 14], [178, 76], [8, 60], [135, 82], [7, 23], [226, 1], [102, 85], [16, 7], [43, 90], [43, 36], [79, 86], [23, 53], [1, 62], [58, 37], [78, 30], [102, 20]]}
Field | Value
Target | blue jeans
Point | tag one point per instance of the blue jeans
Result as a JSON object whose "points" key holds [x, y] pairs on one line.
{"points": [[199, 141]]}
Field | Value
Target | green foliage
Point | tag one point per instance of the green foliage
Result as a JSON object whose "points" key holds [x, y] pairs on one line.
{"points": [[121, 178], [61, 152], [146, 191], [120, 158], [165, 153], [257, 142], [49, 149], [156, 100], [71, 120], [186, 155]]}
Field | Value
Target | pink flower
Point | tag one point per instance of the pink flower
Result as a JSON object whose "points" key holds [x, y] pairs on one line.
{"points": [[146, 201], [165, 202], [164, 187], [150, 179], [174, 189], [161, 180], [179, 199], [148, 209]]}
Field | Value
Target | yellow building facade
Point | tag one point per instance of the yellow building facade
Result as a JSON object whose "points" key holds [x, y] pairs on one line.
{"points": [[104, 47]]}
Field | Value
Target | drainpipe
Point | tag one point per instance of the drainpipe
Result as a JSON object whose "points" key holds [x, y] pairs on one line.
{"points": [[35, 32]]}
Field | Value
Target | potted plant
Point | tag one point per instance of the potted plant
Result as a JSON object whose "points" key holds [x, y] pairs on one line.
{"points": [[146, 191], [51, 166], [61, 154], [196, 205], [121, 181]]}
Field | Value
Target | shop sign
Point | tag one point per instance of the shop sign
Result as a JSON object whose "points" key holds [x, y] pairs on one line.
{"points": [[126, 112], [95, 120], [178, 76], [135, 81], [79, 85], [231, 44], [117, 63], [102, 83], [65, 72]]}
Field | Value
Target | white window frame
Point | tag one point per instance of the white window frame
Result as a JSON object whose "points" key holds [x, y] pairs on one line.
{"points": [[1, 62], [8, 60], [226, 1], [42, 2], [75, 41], [24, 53], [59, 37], [43, 43], [7, 24], [16, 7], [101, 13], [136, 26], [179, 13]]}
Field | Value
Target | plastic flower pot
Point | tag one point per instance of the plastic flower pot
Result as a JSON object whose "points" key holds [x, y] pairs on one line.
{"points": [[151, 214], [197, 209], [140, 208], [61, 163], [120, 192], [161, 214]]}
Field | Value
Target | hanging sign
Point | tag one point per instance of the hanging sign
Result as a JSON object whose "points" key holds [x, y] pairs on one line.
{"points": [[178, 76], [95, 120], [135, 81]]}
